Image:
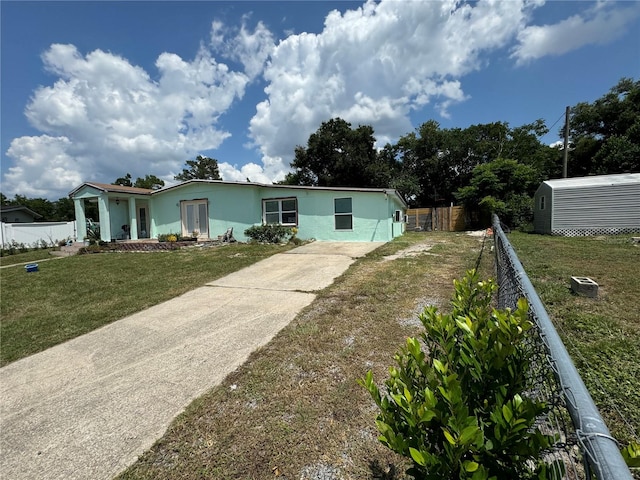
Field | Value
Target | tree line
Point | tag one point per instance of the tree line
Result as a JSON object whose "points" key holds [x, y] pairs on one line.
{"points": [[489, 167]]}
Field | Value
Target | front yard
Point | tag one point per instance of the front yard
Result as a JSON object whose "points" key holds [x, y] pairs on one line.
{"points": [[294, 409], [71, 296]]}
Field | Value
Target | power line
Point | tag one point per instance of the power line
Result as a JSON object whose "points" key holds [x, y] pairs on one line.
{"points": [[561, 115]]}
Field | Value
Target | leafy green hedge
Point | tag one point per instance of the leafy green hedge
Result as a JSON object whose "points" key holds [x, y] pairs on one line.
{"points": [[269, 233], [463, 412]]}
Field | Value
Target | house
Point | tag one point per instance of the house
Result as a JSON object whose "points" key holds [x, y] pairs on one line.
{"points": [[594, 205], [18, 214], [207, 208]]}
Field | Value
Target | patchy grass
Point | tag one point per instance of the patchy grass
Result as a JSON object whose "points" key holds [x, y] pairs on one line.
{"points": [[602, 335], [72, 296], [294, 409]]}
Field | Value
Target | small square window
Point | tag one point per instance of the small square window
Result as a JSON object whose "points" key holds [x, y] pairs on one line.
{"points": [[271, 206], [272, 217], [288, 205], [342, 205], [344, 222]]}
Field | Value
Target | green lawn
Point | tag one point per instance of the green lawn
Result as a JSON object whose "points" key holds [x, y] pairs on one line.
{"points": [[30, 256], [74, 295], [602, 335]]}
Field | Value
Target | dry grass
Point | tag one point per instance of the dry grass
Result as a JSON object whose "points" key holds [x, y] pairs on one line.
{"points": [[294, 409]]}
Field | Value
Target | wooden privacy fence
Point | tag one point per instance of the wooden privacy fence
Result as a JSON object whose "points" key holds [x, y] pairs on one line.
{"points": [[446, 219]]}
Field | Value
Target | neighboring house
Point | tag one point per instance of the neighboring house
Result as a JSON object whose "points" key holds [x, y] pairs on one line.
{"points": [[18, 214], [595, 205], [210, 207]]}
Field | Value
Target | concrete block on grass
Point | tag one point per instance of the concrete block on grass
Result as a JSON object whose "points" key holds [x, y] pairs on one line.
{"points": [[584, 286]]}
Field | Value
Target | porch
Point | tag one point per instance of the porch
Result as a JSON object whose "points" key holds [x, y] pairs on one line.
{"points": [[123, 213]]}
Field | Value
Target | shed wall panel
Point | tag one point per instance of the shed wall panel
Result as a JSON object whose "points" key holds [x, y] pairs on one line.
{"points": [[616, 206]]}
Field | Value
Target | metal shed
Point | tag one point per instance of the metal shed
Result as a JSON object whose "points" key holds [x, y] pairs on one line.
{"points": [[594, 205]]}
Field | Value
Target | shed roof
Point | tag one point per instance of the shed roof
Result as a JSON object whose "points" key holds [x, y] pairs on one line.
{"points": [[594, 180]]}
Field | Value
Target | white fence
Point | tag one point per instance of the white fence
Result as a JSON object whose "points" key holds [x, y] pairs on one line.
{"points": [[32, 234]]}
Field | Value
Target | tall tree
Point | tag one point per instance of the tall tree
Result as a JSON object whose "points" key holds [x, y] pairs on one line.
{"points": [[203, 168], [149, 181], [443, 160], [337, 155], [64, 210], [502, 186], [606, 133], [124, 181]]}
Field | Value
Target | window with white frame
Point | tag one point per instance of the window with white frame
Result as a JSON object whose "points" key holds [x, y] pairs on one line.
{"points": [[542, 203], [343, 213], [283, 211]]}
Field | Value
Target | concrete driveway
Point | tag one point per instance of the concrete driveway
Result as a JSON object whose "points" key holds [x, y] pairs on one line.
{"points": [[86, 409]]}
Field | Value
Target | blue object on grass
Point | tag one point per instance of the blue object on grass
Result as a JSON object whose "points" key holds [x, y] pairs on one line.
{"points": [[32, 267]]}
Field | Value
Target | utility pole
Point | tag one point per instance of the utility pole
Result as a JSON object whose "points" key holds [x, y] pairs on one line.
{"points": [[566, 143]]}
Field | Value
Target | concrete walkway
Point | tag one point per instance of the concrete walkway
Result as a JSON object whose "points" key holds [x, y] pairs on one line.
{"points": [[86, 409]]}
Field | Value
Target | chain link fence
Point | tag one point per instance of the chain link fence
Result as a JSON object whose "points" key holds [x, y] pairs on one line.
{"points": [[585, 445]]}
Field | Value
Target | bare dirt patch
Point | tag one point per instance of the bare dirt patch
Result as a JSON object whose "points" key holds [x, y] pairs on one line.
{"points": [[422, 248]]}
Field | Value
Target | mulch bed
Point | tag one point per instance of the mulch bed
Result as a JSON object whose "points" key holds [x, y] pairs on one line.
{"points": [[146, 246]]}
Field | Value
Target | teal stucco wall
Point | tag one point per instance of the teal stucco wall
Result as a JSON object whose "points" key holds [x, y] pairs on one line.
{"points": [[239, 206], [316, 216], [228, 206]]}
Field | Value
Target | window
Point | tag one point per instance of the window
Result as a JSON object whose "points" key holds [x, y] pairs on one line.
{"points": [[343, 213], [283, 211], [398, 216], [541, 203]]}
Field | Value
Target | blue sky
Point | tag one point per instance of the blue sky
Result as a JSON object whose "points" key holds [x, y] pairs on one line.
{"points": [[93, 90]]}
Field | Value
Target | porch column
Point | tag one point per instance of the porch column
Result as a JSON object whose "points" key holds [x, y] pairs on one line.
{"points": [[105, 218], [81, 219], [133, 222]]}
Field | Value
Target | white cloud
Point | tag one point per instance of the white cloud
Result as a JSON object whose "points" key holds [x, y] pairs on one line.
{"points": [[31, 153], [105, 117], [251, 171], [596, 26], [373, 65], [251, 49]]}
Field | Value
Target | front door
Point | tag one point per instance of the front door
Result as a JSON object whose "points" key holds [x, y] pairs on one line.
{"points": [[143, 222], [195, 220]]}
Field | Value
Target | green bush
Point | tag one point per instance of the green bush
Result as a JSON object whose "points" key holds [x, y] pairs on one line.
{"points": [[463, 412], [169, 237], [270, 233]]}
